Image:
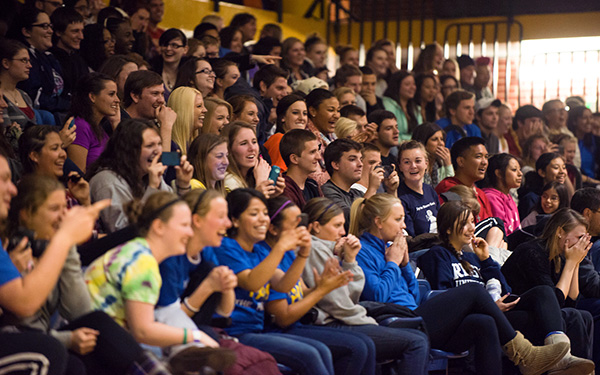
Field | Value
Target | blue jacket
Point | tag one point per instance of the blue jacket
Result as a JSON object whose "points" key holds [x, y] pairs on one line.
{"points": [[385, 281], [452, 136], [444, 271]]}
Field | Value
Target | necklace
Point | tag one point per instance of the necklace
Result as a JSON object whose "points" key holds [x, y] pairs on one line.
{"points": [[14, 97]]}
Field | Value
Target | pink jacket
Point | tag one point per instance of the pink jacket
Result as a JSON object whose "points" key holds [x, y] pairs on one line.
{"points": [[505, 208]]}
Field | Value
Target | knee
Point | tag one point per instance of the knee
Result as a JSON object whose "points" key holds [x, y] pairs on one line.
{"points": [[481, 323]]}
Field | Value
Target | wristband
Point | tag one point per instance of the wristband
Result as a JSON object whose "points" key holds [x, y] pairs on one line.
{"points": [[186, 303], [197, 335], [185, 336]]}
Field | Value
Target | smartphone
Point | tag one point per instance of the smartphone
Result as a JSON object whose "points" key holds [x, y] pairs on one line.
{"points": [[275, 170], [511, 298], [74, 178], [303, 220], [71, 123], [170, 159], [387, 170]]}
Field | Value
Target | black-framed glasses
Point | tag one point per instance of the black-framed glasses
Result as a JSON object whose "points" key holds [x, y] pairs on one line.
{"points": [[56, 4], [24, 60], [205, 71], [174, 45], [44, 26]]}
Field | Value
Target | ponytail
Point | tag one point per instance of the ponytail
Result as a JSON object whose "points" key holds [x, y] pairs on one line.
{"points": [[355, 215]]}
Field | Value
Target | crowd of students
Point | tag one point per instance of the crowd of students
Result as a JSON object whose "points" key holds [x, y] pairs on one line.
{"points": [[176, 205]]}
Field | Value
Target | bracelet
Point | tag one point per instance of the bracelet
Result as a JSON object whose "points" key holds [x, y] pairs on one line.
{"points": [[185, 336], [197, 335], [185, 188], [301, 256], [186, 303]]}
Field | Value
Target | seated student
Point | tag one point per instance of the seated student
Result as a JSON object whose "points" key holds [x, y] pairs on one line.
{"points": [[144, 99], [527, 122], [586, 201], [291, 114], [553, 260], [246, 167], [486, 113], [45, 85], [470, 161], [193, 288], [41, 152], [218, 115], [255, 269], [300, 152], [209, 156], [533, 148], [580, 123], [189, 106], [549, 167], [197, 73], [125, 283], [426, 94], [118, 68], [323, 112], [68, 34], [460, 112], [367, 91], [371, 158], [270, 86], [353, 353], [503, 174], [344, 165], [420, 201], [440, 163], [554, 197], [390, 279], [226, 74], [400, 100], [387, 136], [355, 113], [340, 308], [350, 76], [536, 312], [567, 147], [130, 168], [33, 209], [95, 98], [23, 295]]}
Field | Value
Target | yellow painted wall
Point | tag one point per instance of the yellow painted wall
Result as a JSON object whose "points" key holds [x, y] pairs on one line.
{"points": [[186, 14]]}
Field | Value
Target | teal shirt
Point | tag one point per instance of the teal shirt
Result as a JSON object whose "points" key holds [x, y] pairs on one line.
{"points": [[393, 106]]}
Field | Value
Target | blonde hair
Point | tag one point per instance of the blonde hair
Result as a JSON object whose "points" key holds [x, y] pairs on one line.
{"points": [[344, 127], [199, 200], [211, 105], [182, 101], [364, 211], [341, 91]]}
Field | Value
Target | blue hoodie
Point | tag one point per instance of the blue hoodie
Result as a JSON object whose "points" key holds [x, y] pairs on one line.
{"points": [[385, 281]]}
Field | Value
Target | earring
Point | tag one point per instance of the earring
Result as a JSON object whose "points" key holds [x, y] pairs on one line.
{"points": [[559, 236]]}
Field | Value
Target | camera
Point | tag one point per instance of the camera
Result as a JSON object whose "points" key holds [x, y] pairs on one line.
{"points": [[37, 246]]}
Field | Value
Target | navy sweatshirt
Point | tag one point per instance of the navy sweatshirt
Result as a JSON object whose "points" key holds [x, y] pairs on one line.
{"points": [[444, 271], [421, 209]]}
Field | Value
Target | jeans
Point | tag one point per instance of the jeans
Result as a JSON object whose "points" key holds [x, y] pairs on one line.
{"points": [[592, 305], [353, 352], [303, 355], [410, 346]]}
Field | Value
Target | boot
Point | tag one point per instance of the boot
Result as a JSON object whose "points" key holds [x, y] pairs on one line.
{"points": [[148, 363], [534, 360], [193, 358], [569, 365]]}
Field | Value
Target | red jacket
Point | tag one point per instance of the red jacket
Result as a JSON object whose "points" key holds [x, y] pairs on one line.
{"points": [[486, 207]]}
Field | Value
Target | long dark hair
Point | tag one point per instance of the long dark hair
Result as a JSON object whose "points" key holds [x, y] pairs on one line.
{"points": [[81, 105], [498, 162], [284, 104], [451, 217], [563, 196], [393, 92], [533, 181], [122, 154], [33, 139], [430, 110]]}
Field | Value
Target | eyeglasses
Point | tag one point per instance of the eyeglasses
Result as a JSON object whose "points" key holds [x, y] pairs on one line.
{"points": [[44, 26], [24, 60], [56, 4], [174, 45], [206, 71]]}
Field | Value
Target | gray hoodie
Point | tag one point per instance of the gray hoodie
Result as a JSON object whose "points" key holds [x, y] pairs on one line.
{"points": [[340, 304]]}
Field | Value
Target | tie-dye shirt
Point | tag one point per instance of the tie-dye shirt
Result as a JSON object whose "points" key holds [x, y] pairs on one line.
{"points": [[128, 272]]}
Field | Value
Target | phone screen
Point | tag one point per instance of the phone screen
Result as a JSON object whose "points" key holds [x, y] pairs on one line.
{"points": [[170, 158]]}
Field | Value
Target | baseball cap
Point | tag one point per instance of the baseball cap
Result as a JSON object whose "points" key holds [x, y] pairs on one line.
{"points": [[485, 103]]}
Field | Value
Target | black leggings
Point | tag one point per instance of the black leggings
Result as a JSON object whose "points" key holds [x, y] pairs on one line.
{"points": [[31, 353], [466, 316], [116, 350]]}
